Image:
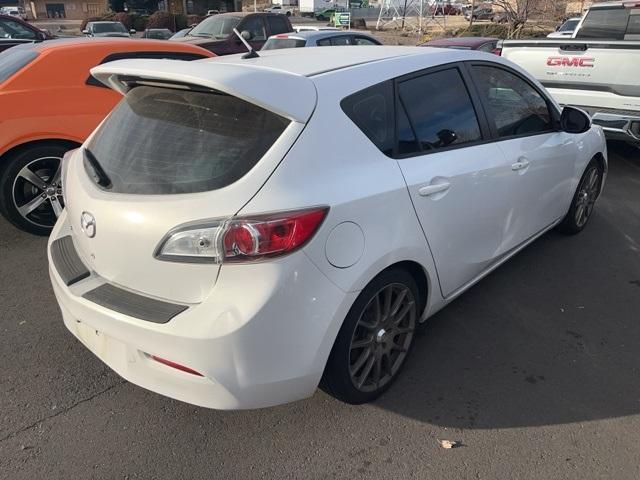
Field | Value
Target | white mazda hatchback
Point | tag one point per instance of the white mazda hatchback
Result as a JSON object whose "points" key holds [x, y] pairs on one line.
{"points": [[241, 230]]}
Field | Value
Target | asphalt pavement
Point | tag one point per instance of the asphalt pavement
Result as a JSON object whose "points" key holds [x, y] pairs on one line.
{"points": [[535, 371]]}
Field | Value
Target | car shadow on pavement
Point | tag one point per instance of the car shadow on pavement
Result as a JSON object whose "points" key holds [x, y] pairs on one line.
{"points": [[551, 337]]}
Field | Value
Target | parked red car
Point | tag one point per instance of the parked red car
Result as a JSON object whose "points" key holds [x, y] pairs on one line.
{"points": [[15, 31]]}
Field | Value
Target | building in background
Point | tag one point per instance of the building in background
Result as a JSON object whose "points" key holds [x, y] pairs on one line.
{"points": [[69, 9]]}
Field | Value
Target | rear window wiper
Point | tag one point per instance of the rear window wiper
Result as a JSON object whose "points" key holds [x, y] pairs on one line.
{"points": [[100, 176]]}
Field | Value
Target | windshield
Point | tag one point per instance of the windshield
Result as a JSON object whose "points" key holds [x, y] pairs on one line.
{"points": [[217, 27], [278, 43], [108, 27], [569, 26], [605, 23], [165, 141], [14, 59]]}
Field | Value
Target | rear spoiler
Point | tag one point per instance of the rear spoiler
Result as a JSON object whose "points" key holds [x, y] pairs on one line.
{"points": [[289, 95]]}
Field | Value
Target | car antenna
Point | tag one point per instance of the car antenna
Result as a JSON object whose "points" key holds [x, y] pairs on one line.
{"points": [[252, 53]]}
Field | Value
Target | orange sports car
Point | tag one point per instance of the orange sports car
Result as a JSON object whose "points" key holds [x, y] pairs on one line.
{"points": [[49, 104]]}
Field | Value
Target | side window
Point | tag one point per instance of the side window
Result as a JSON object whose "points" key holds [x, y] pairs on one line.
{"points": [[633, 27], [16, 30], [372, 110], [277, 25], [343, 40], [255, 27], [514, 105], [325, 42], [488, 47], [363, 41], [439, 112]]}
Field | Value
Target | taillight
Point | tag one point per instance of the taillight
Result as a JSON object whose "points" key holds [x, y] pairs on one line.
{"points": [[497, 51], [272, 235], [242, 239]]}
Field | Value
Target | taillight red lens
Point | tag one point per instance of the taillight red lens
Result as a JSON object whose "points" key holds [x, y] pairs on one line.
{"points": [[271, 235], [497, 51]]}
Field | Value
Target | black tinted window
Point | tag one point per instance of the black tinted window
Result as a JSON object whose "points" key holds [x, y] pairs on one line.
{"points": [[439, 109], [605, 23], [364, 41], [279, 43], [372, 110], [14, 59], [325, 42], [165, 141], [633, 27], [344, 40], [278, 25], [514, 105], [255, 26], [13, 29]]}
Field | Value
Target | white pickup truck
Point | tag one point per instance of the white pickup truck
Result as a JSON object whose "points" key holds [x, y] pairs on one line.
{"points": [[281, 9], [598, 69]]}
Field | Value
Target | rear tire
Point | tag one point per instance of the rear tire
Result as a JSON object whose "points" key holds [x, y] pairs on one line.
{"points": [[30, 187], [374, 340], [583, 201]]}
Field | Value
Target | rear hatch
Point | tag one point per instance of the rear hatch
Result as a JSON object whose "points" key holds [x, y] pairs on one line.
{"points": [[170, 154]]}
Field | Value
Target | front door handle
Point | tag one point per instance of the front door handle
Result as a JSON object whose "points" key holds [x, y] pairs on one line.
{"points": [[521, 164], [433, 189]]}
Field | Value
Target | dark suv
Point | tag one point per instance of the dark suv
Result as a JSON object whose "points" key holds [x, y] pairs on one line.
{"points": [[216, 32], [14, 31]]}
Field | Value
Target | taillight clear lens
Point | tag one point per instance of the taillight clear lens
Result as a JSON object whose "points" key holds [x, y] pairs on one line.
{"points": [[243, 239], [198, 243], [271, 235]]}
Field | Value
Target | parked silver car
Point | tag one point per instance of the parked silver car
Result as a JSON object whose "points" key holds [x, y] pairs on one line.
{"points": [[324, 38]]}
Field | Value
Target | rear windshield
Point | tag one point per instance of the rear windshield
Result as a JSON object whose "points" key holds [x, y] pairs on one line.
{"points": [[13, 59], [108, 27], [278, 43], [605, 23], [166, 141]]}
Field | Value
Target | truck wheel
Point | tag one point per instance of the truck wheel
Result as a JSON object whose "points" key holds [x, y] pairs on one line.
{"points": [[30, 187], [288, 14]]}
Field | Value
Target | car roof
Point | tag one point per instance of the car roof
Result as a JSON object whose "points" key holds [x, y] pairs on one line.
{"points": [[105, 22], [461, 41], [291, 69], [612, 4], [319, 34], [109, 42]]}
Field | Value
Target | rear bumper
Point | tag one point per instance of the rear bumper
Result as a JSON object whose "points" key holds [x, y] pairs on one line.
{"points": [[260, 338]]}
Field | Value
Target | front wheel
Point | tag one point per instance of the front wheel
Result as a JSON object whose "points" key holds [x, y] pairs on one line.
{"points": [[583, 200], [374, 340], [30, 188]]}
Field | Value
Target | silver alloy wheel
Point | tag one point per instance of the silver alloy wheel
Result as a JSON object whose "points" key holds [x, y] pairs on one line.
{"points": [[37, 191], [382, 337], [587, 196]]}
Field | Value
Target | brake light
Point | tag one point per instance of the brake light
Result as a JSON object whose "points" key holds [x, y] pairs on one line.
{"points": [[272, 235], [242, 238], [175, 365], [497, 51], [282, 35]]}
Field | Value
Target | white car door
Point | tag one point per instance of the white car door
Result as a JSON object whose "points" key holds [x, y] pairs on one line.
{"points": [[459, 181], [541, 157]]}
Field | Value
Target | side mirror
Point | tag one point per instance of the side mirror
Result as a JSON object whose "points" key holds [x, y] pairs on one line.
{"points": [[246, 35], [132, 31], [85, 32], [574, 120]]}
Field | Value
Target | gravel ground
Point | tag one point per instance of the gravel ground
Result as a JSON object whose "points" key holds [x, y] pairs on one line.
{"points": [[535, 371]]}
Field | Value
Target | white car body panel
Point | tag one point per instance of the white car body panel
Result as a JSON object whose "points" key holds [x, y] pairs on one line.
{"points": [[260, 333]]}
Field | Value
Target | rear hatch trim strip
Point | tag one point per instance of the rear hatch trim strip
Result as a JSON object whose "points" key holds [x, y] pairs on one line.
{"points": [[67, 262], [134, 305]]}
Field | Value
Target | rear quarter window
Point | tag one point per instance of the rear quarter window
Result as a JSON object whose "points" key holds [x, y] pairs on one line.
{"points": [[164, 141]]}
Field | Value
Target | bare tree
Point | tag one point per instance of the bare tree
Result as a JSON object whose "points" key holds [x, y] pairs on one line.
{"points": [[517, 12]]}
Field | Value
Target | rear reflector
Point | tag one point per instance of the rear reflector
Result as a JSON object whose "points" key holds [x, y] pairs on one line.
{"points": [[175, 365]]}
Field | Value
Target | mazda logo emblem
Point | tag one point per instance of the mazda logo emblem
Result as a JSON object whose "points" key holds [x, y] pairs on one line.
{"points": [[88, 224]]}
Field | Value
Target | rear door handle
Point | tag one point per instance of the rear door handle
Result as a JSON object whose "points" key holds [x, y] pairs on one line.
{"points": [[433, 189], [521, 164]]}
